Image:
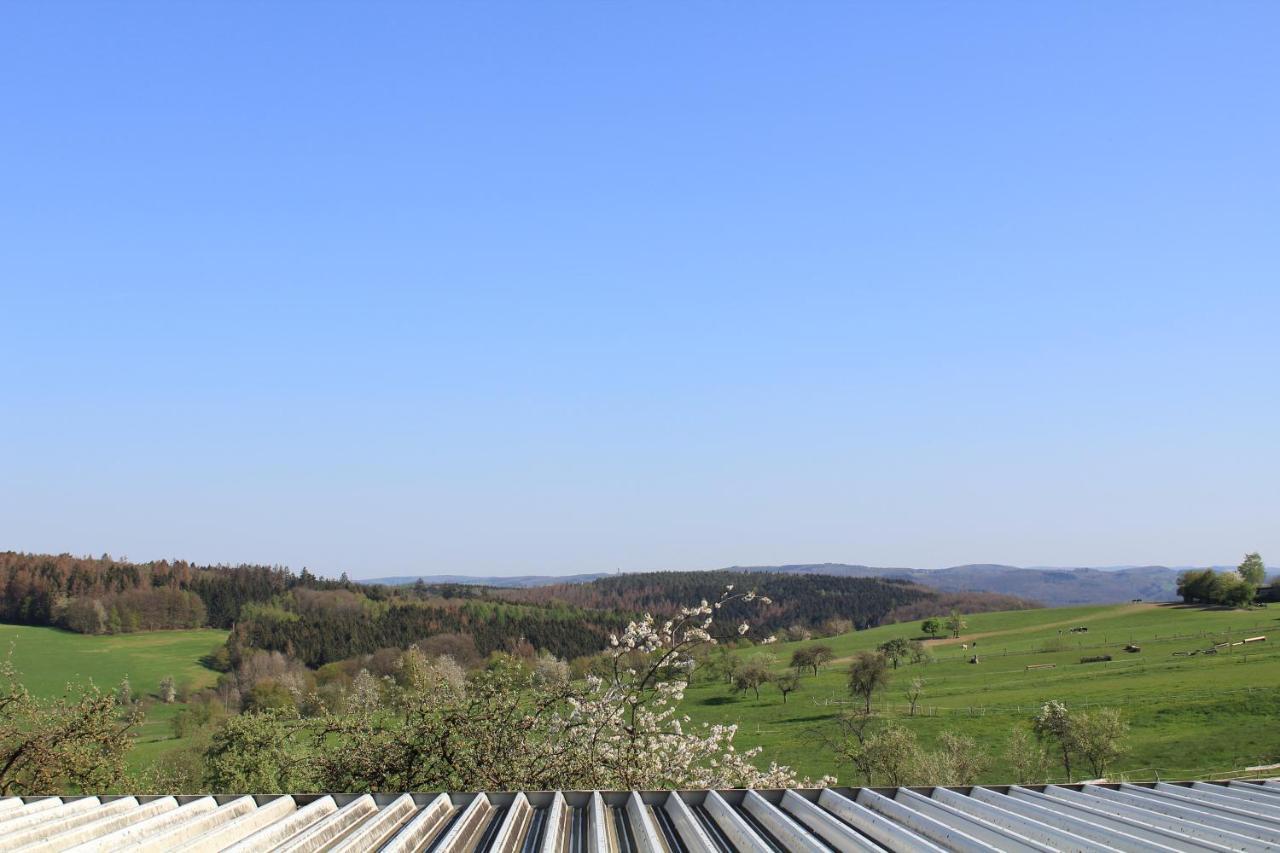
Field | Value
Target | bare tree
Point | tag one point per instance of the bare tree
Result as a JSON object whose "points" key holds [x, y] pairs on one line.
{"points": [[913, 693]]}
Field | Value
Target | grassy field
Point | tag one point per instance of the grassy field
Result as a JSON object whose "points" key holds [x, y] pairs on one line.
{"points": [[49, 659], [1189, 716]]}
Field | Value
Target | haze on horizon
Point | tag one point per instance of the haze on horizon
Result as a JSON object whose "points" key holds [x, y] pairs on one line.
{"points": [[555, 288]]}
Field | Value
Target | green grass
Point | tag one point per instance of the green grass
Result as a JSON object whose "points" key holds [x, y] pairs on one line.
{"points": [[49, 659], [1188, 716]]}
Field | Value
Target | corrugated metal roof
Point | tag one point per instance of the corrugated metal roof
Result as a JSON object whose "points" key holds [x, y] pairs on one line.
{"points": [[1148, 817]]}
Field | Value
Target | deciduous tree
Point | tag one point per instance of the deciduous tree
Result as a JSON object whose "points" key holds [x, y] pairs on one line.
{"points": [[812, 657], [1097, 737], [786, 684], [1026, 756], [895, 650], [913, 693], [868, 673], [750, 676], [1252, 570], [1100, 738]]}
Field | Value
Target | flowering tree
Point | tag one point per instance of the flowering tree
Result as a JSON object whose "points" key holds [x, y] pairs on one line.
{"points": [[507, 727], [1096, 737]]}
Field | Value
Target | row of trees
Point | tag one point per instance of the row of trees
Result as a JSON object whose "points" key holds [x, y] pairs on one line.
{"points": [[102, 594], [953, 623], [133, 610], [320, 627], [887, 753], [1230, 589]]}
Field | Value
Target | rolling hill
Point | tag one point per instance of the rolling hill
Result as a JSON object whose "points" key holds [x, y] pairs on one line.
{"points": [[1054, 587]]}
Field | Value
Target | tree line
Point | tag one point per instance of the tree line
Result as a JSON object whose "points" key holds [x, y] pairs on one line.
{"points": [[319, 627], [96, 595], [1229, 589]]}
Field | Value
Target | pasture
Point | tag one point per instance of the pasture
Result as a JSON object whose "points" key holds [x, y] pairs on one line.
{"points": [[49, 659], [1189, 716]]}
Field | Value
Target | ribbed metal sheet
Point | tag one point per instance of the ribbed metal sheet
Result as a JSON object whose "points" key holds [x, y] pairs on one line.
{"points": [[1119, 817]]}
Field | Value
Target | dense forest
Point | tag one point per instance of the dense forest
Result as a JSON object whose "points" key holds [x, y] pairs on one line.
{"points": [[796, 601], [95, 595], [319, 627]]}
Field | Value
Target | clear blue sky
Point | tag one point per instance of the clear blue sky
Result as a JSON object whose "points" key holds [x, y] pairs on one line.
{"points": [[538, 287]]}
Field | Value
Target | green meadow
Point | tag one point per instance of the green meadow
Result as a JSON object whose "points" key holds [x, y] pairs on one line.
{"points": [[49, 659], [1193, 716], [1200, 716]]}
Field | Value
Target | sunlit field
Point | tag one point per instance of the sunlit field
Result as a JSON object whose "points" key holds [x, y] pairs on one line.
{"points": [[1190, 716]]}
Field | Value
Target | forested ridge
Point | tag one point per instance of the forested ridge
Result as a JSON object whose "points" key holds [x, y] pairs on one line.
{"points": [[319, 627], [94, 595], [313, 619], [318, 621], [796, 601]]}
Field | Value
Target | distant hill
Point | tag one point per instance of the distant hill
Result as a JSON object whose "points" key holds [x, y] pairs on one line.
{"points": [[1052, 586]]}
